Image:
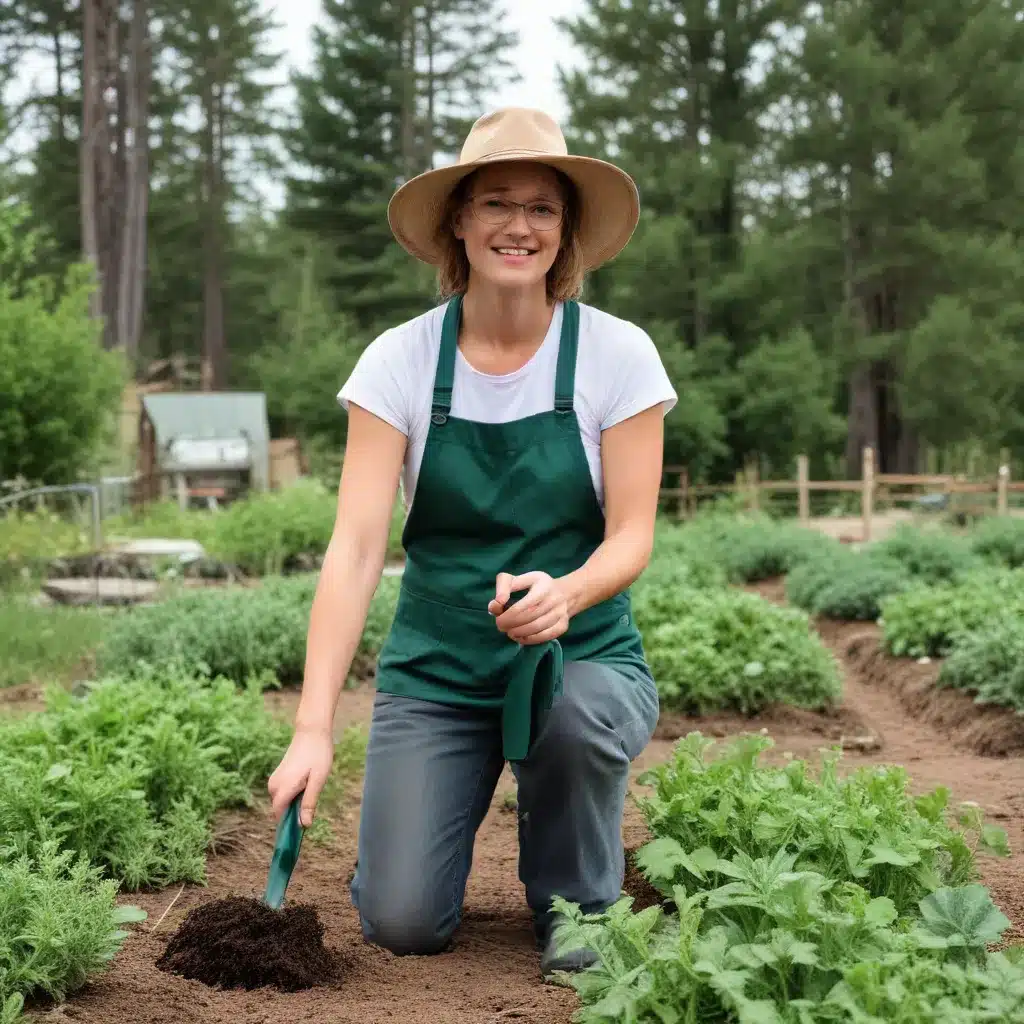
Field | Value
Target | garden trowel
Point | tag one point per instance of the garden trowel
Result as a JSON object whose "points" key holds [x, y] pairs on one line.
{"points": [[286, 854]]}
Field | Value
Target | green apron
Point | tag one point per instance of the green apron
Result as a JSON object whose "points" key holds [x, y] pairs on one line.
{"points": [[490, 498]]}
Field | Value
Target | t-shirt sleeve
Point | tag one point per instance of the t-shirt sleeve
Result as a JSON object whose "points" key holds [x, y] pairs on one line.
{"points": [[636, 377], [378, 382]]}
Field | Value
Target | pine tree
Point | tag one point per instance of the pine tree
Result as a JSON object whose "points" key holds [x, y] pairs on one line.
{"points": [[393, 85]]}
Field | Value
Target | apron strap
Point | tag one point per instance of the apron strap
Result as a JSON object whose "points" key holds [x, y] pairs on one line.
{"points": [[444, 378], [565, 374]]}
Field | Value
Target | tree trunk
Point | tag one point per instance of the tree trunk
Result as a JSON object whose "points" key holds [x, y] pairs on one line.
{"points": [[214, 365], [408, 73], [109, 177], [133, 244], [91, 120]]}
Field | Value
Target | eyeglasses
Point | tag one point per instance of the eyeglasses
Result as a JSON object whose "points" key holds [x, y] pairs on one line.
{"points": [[541, 214]]}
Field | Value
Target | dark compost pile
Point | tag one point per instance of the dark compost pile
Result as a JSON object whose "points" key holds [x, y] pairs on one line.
{"points": [[239, 942]]}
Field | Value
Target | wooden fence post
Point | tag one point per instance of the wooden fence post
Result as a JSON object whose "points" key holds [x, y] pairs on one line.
{"points": [[867, 492], [684, 493], [803, 492], [1002, 491], [754, 484]]}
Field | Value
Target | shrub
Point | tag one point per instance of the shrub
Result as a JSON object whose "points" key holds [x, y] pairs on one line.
{"points": [[929, 620], [989, 663], [240, 633], [930, 556], [731, 650], [850, 586], [28, 540], [754, 549], [1001, 541]]}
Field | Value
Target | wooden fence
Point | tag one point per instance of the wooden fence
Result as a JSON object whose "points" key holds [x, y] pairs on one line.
{"points": [[872, 487]]}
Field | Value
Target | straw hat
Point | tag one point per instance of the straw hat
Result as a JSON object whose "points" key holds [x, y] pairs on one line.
{"points": [[610, 204]]}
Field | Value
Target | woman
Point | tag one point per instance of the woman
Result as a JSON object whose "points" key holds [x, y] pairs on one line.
{"points": [[526, 430]]}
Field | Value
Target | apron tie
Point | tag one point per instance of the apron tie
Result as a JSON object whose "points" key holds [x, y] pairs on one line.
{"points": [[534, 682]]}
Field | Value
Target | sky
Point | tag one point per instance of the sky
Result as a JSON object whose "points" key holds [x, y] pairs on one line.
{"points": [[537, 61]]}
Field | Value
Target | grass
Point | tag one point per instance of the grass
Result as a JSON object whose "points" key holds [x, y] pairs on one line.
{"points": [[40, 643]]}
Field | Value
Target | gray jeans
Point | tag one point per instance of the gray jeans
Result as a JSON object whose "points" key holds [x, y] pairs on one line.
{"points": [[431, 771]]}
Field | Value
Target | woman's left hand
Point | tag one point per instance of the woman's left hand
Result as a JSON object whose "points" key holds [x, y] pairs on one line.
{"points": [[541, 615]]}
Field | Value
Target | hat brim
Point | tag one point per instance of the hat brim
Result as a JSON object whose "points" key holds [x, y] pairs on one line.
{"points": [[609, 205]]}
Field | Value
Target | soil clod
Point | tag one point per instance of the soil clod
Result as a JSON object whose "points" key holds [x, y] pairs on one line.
{"points": [[239, 942]]}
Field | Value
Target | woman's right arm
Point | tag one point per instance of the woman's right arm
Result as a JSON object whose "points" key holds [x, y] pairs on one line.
{"points": [[374, 454]]}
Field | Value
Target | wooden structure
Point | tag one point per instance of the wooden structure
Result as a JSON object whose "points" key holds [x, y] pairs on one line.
{"points": [[873, 489], [211, 446]]}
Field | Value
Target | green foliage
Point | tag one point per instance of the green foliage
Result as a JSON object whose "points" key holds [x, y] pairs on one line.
{"points": [[797, 900], [989, 663], [864, 828], [784, 407], [44, 643], [59, 925], [930, 620], [1000, 540], [131, 773], [240, 633], [29, 539], [930, 556], [269, 532], [679, 560], [727, 650], [777, 947], [58, 389], [845, 585], [751, 549]]}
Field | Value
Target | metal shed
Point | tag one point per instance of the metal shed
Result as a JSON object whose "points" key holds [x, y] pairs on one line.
{"points": [[212, 443]]}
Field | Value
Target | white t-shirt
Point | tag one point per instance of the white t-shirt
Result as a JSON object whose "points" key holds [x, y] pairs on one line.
{"points": [[619, 373]]}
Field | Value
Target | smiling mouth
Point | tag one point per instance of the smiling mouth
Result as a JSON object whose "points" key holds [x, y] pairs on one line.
{"points": [[511, 251]]}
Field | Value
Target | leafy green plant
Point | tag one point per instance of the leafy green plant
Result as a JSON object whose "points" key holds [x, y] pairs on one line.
{"points": [[30, 539], [790, 900], [925, 620], [775, 945], [930, 556], [131, 774], [751, 549], [850, 586], [730, 650], [1000, 541], [989, 663], [240, 633], [863, 828], [59, 925]]}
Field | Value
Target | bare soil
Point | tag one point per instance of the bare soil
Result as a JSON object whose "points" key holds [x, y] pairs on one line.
{"points": [[491, 975]]}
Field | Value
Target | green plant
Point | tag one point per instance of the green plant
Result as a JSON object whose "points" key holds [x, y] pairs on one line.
{"points": [[794, 900], [848, 586], [131, 773], [1000, 541], [930, 556], [989, 663], [778, 946], [925, 620], [863, 828], [59, 925], [726, 649], [30, 539], [240, 633]]}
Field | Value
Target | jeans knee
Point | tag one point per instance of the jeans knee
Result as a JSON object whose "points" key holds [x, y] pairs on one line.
{"points": [[404, 924], [407, 933]]}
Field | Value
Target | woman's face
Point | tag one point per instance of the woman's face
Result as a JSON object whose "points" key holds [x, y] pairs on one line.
{"points": [[508, 245]]}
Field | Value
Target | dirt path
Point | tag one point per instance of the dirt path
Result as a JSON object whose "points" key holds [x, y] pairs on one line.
{"points": [[492, 976]]}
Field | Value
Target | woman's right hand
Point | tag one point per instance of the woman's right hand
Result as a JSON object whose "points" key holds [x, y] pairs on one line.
{"points": [[303, 769]]}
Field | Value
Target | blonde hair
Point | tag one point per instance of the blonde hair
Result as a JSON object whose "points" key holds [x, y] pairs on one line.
{"points": [[564, 279]]}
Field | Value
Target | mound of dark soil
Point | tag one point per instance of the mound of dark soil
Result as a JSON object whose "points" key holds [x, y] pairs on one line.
{"points": [[239, 942]]}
